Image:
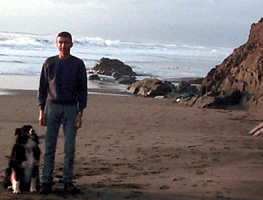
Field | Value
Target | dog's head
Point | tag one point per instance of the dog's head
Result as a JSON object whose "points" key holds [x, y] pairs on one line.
{"points": [[25, 133]]}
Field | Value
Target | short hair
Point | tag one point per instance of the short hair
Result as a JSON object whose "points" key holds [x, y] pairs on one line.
{"points": [[65, 34]]}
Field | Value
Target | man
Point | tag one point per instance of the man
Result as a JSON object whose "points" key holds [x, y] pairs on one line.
{"points": [[62, 98]]}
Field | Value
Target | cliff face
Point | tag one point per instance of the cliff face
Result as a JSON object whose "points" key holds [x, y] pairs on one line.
{"points": [[242, 70]]}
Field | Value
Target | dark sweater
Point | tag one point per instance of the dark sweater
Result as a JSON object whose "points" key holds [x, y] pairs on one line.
{"points": [[63, 82]]}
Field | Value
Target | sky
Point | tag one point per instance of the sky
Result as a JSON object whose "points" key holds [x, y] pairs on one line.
{"points": [[213, 23]]}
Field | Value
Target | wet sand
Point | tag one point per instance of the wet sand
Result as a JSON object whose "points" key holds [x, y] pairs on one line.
{"points": [[139, 148]]}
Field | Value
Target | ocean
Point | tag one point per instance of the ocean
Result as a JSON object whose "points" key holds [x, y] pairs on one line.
{"points": [[24, 54]]}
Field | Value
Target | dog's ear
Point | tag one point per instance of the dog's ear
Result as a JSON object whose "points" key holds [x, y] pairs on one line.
{"points": [[18, 131], [27, 128]]}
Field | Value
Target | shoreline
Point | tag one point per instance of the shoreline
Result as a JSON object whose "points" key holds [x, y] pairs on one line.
{"points": [[26, 82], [10, 84], [144, 148]]}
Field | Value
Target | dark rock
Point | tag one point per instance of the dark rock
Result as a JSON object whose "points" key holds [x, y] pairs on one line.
{"points": [[186, 87], [188, 98], [126, 80], [94, 77], [185, 92], [222, 101], [230, 98], [197, 81], [108, 67], [150, 88], [116, 75], [225, 100], [183, 87]]}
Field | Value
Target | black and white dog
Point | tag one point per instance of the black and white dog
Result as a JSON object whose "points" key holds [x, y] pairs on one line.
{"points": [[23, 171]]}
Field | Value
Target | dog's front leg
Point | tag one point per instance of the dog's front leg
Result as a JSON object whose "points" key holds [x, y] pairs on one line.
{"points": [[16, 186], [33, 185], [34, 178], [15, 183]]}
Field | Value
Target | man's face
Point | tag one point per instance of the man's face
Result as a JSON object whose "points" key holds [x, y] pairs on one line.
{"points": [[64, 44]]}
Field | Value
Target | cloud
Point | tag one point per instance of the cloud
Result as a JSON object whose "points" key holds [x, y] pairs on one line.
{"points": [[196, 22], [77, 4], [70, 2]]}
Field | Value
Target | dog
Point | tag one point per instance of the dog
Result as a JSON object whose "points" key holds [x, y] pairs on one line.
{"points": [[22, 173]]}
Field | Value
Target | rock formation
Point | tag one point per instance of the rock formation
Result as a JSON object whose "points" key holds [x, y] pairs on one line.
{"points": [[122, 73], [108, 67], [238, 80], [149, 87], [94, 77]]}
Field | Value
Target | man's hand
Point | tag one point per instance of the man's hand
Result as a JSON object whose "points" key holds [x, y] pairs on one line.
{"points": [[42, 118], [78, 121]]}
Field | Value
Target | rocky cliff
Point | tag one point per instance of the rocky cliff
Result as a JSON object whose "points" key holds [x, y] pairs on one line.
{"points": [[241, 71]]}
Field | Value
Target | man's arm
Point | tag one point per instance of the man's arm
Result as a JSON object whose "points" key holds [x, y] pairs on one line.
{"points": [[42, 90], [83, 95], [42, 96], [78, 121], [82, 88], [42, 118]]}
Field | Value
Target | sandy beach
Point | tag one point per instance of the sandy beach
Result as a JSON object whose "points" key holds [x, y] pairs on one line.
{"points": [[140, 148]]}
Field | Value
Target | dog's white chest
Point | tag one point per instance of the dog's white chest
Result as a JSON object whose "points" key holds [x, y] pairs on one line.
{"points": [[30, 144], [31, 162]]}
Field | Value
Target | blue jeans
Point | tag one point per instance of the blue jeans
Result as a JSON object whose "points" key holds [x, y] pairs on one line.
{"points": [[57, 114]]}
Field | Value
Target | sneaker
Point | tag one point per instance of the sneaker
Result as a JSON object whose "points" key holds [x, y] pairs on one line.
{"points": [[46, 188], [70, 188]]}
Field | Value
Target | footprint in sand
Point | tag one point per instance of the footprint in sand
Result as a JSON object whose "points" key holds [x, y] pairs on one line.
{"points": [[179, 179], [199, 172], [165, 187]]}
